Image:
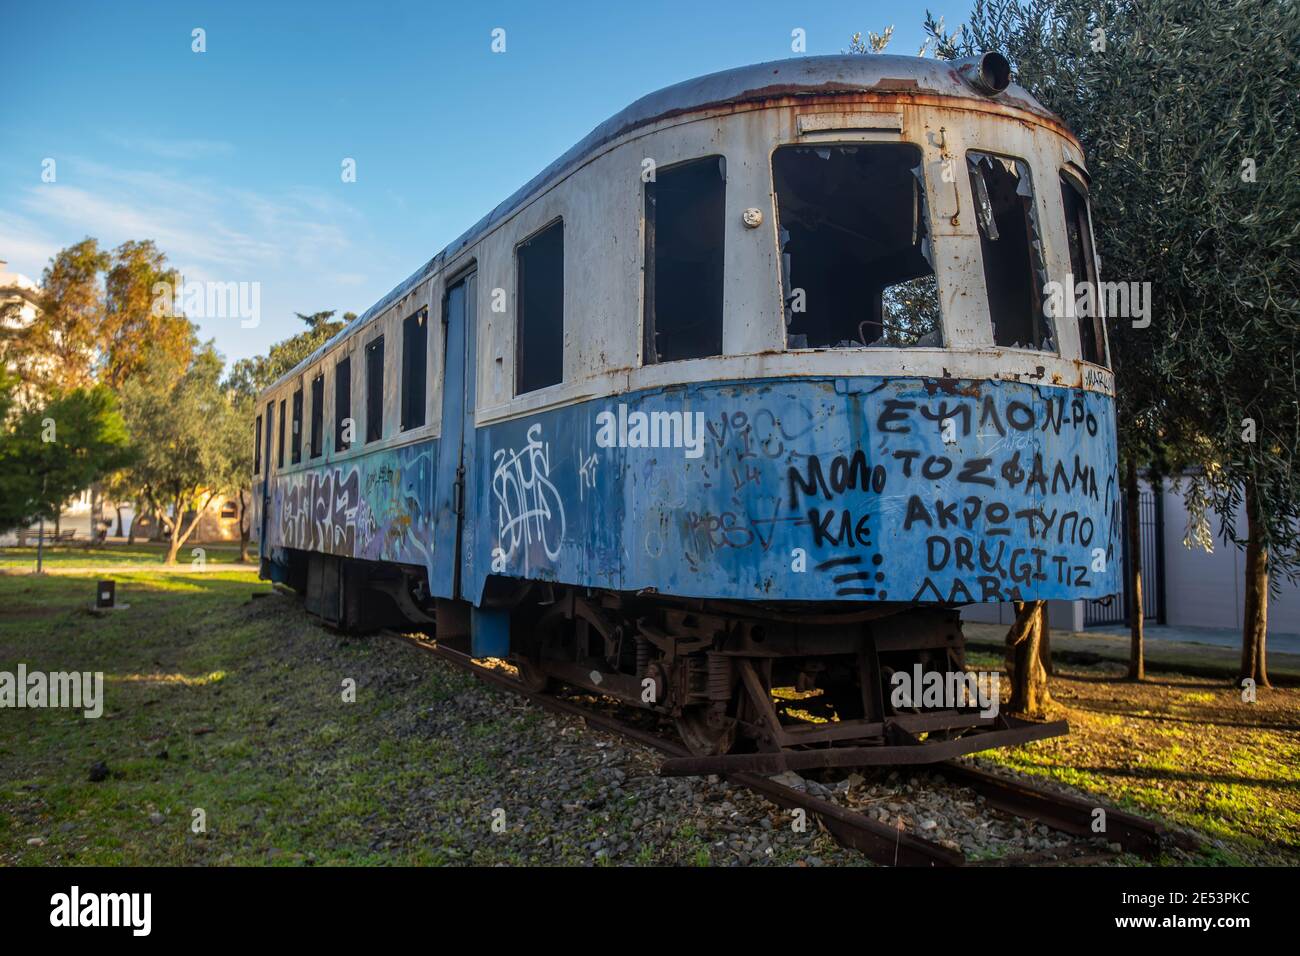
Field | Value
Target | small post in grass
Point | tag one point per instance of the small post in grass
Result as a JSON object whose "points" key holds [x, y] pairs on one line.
{"points": [[106, 595]]}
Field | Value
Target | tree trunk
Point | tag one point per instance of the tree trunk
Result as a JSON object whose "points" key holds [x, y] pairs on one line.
{"points": [[180, 533], [1254, 626], [118, 532], [1132, 520], [1045, 643], [1029, 693], [175, 543], [96, 511]]}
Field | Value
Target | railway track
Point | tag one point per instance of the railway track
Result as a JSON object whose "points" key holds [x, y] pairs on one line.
{"points": [[879, 842]]}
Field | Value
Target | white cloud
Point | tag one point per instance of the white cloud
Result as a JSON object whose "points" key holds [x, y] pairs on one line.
{"points": [[303, 245], [187, 149]]}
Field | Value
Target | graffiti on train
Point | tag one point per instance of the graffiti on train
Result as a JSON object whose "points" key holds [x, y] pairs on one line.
{"points": [[867, 489], [373, 509], [529, 509]]}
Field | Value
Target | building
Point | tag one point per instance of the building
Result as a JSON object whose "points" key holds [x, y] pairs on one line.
{"points": [[18, 290], [1183, 587]]}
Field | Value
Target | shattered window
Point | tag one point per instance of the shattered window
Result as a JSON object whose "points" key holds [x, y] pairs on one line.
{"points": [[1078, 232], [685, 210], [1012, 248], [855, 247]]}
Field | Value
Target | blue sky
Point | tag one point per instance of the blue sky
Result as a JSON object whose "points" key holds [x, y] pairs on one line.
{"points": [[230, 159]]}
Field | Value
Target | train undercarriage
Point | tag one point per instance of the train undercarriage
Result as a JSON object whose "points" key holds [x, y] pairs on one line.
{"points": [[762, 689], [750, 687]]}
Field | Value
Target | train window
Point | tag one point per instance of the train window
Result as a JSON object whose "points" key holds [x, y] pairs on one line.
{"points": [[269, 416], [1012, 248], [685, 209], [539, 336], [415, 362], [279, 457], [318, 416], [342, 405], [295, 449], [257, 447], [1078, 233], [375, 390], [855, 247]]}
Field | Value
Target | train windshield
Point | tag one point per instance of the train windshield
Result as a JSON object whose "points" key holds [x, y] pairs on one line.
{"points": [[1012, 247], [855, 250]]}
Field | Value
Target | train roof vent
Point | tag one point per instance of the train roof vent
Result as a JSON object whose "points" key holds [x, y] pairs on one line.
{"points": [[989, 73]]}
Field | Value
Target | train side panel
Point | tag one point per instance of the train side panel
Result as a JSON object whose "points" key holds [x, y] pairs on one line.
{"points": [[876, 489]]}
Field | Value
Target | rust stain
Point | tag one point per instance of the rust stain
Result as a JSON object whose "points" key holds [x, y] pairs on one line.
{"points": [[952, 386]]}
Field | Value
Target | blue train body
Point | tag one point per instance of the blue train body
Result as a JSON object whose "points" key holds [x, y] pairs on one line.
{"points": [[924, 491]]}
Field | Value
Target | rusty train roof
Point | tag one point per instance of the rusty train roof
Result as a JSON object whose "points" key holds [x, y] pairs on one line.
{"points": [[778, 79]]}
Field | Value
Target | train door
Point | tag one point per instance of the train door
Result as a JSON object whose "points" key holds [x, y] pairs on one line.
{"points": [[263, 548], [449, 503]]}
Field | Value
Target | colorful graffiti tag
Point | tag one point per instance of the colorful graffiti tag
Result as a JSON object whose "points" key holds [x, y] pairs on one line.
{"points": [[376, 507]]}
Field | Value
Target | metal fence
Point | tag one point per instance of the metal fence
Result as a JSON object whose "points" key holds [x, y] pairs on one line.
{"points": [[1151, 522]]}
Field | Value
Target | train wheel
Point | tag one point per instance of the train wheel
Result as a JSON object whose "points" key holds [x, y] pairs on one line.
{"points": [[553, 637], [705, 733], [531, 675]]}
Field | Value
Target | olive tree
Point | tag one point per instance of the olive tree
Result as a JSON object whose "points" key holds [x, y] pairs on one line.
{"points": [[1186, 109]]}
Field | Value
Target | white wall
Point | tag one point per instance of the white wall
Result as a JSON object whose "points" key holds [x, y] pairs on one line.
{"points": [[1201, 589], [1205, 590]]}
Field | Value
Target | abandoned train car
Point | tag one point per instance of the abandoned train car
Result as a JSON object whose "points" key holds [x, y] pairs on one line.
{"points": [[752, 389]]}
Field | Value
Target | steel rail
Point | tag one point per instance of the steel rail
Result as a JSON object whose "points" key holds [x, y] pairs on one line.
{"points": [[879, 842]]}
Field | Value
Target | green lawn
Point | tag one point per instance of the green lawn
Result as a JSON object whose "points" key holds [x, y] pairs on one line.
{"points": [[112, 555], [213, 701], [233, 705], [220, 701]]}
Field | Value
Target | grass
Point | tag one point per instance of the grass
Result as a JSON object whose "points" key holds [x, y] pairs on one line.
{"points": [[213, 703], [1183, 748], [112, 555], [220, 702]]}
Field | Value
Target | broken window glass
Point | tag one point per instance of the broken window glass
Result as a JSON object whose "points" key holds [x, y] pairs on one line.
{"points": [[1012, 248], [1078, 233], [685, 210], [855, 247]]}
